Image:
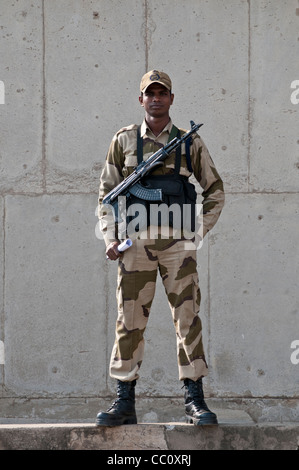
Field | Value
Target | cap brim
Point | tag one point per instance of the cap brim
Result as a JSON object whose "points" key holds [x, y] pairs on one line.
{"points": [[156, 81]]}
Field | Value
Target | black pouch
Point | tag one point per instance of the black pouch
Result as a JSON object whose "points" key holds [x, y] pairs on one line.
{"points": [[179, 195]]}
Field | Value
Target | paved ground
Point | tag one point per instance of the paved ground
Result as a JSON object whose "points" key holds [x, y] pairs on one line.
{"points": [[236, 431]]}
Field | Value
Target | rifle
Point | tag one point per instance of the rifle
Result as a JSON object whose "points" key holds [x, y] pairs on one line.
{"points": [[131, 185]]}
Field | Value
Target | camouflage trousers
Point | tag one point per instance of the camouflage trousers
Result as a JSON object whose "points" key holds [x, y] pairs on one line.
{"points": [[137, 273]]}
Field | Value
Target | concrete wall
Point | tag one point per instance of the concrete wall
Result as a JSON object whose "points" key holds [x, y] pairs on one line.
{"points": [[70, 73]]}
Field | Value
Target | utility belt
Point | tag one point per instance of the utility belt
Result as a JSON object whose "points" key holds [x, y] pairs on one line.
{"points": [[168, 200]]}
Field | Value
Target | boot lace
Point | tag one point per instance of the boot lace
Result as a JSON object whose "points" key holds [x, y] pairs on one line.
{"points": [[123, 393], [196, 396]]}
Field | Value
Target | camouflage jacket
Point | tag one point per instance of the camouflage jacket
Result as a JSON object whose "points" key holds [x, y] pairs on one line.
{"points": [[122, 159]]}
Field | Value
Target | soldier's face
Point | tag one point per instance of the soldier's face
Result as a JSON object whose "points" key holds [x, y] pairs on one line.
{"points": [[156, 100]]}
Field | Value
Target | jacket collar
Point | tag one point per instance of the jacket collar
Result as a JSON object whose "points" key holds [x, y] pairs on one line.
{"points": [[145, 129]]}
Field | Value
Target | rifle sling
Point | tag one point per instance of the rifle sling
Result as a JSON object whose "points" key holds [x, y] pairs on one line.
{"points": [[174, 133]]}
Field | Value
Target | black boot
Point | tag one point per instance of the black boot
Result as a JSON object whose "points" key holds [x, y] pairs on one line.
{"points": [[197, 411], [122, 410]]}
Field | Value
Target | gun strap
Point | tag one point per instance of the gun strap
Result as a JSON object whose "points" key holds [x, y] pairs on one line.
{"points": [[188, 158], [139, 146], [174, 133]]}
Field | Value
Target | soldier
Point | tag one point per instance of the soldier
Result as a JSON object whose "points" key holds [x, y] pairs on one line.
{"points": [[171, 256]]}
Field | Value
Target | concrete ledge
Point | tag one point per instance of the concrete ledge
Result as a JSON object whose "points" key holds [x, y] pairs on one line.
{"points": [[140, 437]]}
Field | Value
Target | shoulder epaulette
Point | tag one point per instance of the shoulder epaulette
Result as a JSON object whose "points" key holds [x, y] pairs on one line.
{"points": [[127, 128]]}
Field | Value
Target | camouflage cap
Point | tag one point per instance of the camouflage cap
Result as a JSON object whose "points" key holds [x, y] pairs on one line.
{"points": [[154, 76]]}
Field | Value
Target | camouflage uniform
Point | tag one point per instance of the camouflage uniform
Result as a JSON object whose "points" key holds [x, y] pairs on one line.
{"points": [[139, 265]]}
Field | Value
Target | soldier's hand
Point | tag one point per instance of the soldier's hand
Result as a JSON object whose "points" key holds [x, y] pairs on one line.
{"points": [[112, 251]]}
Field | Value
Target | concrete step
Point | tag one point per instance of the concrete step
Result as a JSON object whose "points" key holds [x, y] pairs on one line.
{"points": [[239, 435]]}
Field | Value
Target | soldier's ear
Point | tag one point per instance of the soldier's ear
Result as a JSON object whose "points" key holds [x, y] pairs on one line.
{"points": [[141, 99]]}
